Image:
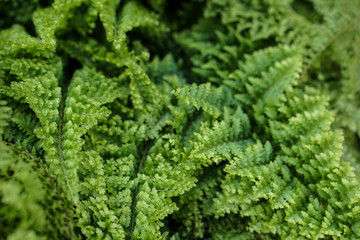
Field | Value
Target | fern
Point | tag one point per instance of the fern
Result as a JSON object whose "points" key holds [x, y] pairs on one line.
{"points": [[282, 192], [189, 120], [202, 96]]}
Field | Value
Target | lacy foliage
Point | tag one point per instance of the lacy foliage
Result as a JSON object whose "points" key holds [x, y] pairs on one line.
{"points": [[217, 119]]}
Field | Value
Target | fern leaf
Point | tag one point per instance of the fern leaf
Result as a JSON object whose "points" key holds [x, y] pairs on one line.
{"points": [[202, 96]]}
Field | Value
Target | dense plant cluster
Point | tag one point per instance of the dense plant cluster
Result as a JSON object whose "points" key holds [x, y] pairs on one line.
{"points": [[199, 119]]}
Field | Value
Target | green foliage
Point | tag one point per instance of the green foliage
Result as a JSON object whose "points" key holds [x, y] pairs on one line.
{"points": [[27, 196], [202, 96], [217, 119]]}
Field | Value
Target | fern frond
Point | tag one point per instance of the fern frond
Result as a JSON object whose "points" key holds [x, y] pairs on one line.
{"points": [[221, 141], [296, 183], [217, 119], [83, 109], [202, 96]]}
